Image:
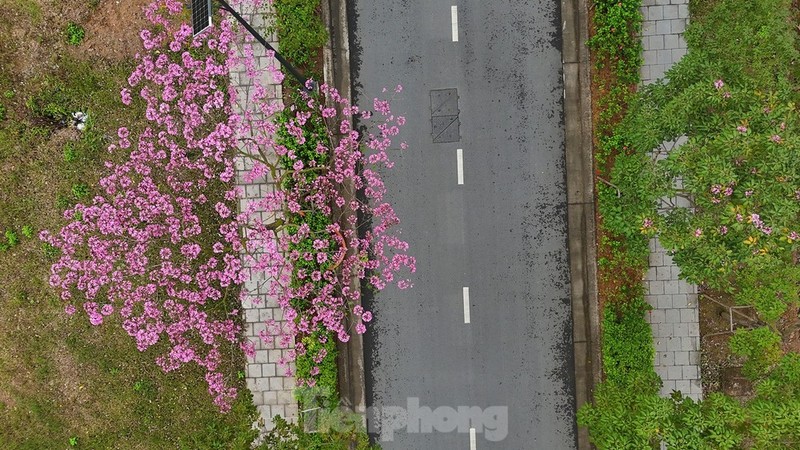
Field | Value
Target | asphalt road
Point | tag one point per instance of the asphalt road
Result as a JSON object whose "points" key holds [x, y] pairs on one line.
{"points": [[502, 233]]}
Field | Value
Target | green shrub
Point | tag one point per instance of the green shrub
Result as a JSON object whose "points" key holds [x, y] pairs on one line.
{"points": [[761, 347], [75, 33], [300, 29], [617, 25]]}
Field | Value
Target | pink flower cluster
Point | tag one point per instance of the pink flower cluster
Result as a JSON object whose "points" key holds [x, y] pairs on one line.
{"points": [[145, 247], [140, 247], [340, 252]]}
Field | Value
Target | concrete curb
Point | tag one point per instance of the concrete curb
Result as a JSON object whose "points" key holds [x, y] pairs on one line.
{"points": [[336, 73], [581, 206]]}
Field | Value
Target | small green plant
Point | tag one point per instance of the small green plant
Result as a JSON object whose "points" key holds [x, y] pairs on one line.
{"points": [[80, 190], [27, 231], [8, 94], [11, 238], [50, 252], [75, 33], [70, 153], [73, 441]]}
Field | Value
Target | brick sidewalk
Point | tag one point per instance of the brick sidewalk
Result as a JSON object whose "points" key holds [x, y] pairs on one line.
{"points": [[674, 318], [271, 388]]}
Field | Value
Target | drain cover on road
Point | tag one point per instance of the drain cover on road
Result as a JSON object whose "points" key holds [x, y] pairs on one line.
{"points": [[444, 116]]}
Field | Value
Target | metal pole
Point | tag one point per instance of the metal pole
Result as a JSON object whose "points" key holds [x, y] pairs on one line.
{"points": [[297, 76]]}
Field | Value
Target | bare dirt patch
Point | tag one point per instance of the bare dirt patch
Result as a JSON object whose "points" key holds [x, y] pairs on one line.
{"points": [[721, 370], [112, 30]]}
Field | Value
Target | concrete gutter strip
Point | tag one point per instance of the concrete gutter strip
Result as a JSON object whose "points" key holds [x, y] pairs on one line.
{"points": [[581, 207], [336, 73]]}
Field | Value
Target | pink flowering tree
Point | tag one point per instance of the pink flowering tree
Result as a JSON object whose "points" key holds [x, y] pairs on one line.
{"points": [[164, 245]]}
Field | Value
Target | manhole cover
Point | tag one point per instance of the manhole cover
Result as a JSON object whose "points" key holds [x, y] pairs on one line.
{"points": [[444, 116]]}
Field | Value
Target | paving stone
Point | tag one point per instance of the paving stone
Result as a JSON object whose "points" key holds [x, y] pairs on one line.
{"points": [[681, 358], [254, 370], [686, 288], [694, 358], [680, 301], [271, 397], [269, 370], [670, 12], [291, 411], [672, 287], [265, 314], [690, 372], [662, 273], [681, 329], [688, 315], [663, 27], [666, 358], [674, 373], [665, 330], [648, 28], [285, 397], [275, 355], [672, 41], [657, 316], [656, 287], [675, 344], [676, 25], [262, 356], [672, 316], [654, 13], [262, 384], [664, 301], [683, 386]]}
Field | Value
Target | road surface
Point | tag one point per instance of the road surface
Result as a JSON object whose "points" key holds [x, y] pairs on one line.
{"points": [[487, 324]]}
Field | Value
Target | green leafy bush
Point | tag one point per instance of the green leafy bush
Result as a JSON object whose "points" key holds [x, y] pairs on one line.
{"points": [[627, 343], [75, 33]]}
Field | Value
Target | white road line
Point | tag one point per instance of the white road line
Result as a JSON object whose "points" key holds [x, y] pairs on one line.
{"points": [[465, 291], [454, 21], [460, 165], [473, 444]]}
